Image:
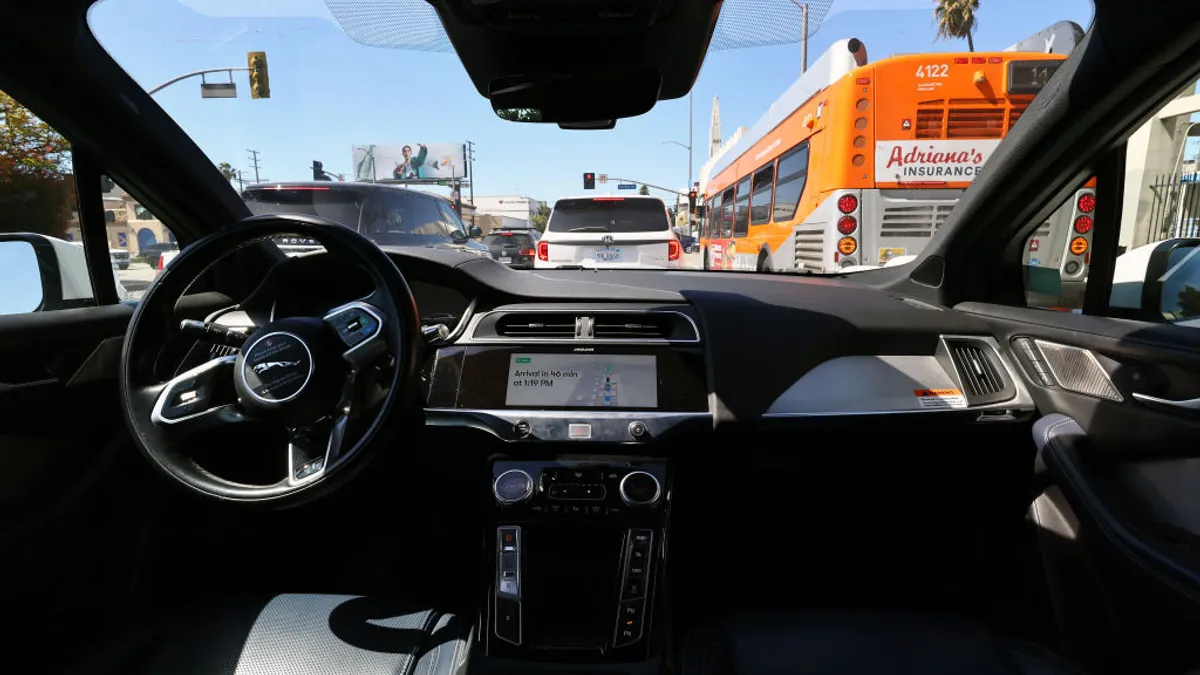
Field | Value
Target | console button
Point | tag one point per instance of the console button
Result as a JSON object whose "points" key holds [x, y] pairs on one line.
{"points": [[639, 488], [508, 620], [629, 623], [635, 587]]}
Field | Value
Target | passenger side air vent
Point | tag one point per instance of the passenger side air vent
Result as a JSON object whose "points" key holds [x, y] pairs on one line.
{"points": [[585, 325], [632, 326], [980, 371], [536, 325]]}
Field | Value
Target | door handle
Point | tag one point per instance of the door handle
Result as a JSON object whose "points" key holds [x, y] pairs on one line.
{"points": [[1191, 404]]}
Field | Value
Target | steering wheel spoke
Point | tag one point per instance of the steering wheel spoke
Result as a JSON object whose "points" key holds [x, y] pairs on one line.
{"points": [[359, 327], [313, 448], [188, 402]]}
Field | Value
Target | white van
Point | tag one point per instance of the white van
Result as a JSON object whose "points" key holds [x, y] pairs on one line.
{"points": [[609, 232]]}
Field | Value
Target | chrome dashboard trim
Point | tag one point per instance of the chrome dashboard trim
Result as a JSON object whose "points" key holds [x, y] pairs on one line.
{"points": [[551, 425], [468, 336]]}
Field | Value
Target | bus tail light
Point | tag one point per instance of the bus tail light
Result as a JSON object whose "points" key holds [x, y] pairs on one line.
{"points": [[1086, 203], [847, 225], [847, 245], [543, 251], [673, 249], [1084, 224], [847, 204]]}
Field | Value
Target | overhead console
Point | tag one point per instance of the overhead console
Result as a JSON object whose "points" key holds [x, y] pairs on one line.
{"points": [[611, 374]]}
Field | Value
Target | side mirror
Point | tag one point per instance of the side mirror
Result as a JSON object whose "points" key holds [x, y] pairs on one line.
{"points": [[458, 237], [475, 232], [1171, 285], [39, 272]]}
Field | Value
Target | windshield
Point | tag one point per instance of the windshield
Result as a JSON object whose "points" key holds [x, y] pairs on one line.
{"points": [[836, 150], [609, 214]]}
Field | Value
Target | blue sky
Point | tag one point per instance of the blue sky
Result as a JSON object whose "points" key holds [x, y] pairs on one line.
{"points": [[329, 92]]}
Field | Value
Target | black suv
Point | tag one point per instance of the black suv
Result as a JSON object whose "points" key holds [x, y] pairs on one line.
{"points": [[388, 215], [513, 246]]}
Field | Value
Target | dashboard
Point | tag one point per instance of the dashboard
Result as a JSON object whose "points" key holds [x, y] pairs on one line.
{"points": [[634, 356]]}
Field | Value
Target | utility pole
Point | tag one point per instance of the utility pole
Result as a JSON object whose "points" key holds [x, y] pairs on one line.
{"points": [[691, 138], [471, 169], [804, 39], [254, 163], [237, 176], [803, 35]]}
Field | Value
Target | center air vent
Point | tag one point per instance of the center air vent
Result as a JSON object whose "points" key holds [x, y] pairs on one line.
{"points": [[634, 326], [980, 371], [536, 325]]}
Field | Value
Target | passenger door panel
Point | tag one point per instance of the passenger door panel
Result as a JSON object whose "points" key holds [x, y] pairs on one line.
{"points": [[1121, 521]]}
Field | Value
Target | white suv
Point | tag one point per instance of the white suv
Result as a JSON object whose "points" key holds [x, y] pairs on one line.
{"points": [[609, 232]]}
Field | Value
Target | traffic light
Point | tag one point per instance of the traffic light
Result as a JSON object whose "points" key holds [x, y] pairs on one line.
{"points": [[691, 201], [319, 171], [589, 181], [260, 84]]}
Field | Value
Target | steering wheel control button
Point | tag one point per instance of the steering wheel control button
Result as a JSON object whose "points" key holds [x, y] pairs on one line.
{"points": [[277, 367], [513, 486], [639, 488], [637, 430], [522, 428], [354, 325], [185, 398]]}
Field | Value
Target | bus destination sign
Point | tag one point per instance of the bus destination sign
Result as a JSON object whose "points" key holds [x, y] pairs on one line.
{"points": [[1027, 78]]}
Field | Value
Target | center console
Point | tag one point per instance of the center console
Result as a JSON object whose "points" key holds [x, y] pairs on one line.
{"points": [[577, 554]]}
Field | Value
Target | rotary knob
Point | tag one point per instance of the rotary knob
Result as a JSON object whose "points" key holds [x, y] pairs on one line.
{"points": [[639, 488], [513, 486]]}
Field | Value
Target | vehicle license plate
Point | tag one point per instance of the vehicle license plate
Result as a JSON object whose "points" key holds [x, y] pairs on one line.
{"points": [[608, 254], [505, 259]]}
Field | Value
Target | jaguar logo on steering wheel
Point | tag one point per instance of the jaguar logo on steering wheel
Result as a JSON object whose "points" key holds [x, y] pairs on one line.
{"points": [[271, 365]]}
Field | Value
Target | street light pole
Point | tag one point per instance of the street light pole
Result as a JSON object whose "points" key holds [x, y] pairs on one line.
{"points": [[690, 141]]}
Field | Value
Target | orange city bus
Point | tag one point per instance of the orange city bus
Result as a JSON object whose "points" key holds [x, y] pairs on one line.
{"points": [[857, 164]]}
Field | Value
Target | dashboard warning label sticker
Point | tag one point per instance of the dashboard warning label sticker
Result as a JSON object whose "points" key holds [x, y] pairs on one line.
{"points": [[940, 398]]}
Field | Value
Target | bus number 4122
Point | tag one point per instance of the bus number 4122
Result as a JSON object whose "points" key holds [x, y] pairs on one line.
{"points": [[933, 70]]}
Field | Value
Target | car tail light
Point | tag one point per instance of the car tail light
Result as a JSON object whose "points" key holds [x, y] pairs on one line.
{"points": [[543, 251], [160, 263], [847, 203], [529, 251], [1087, 202], [1084, 224], [847, 225], [673, 249]]}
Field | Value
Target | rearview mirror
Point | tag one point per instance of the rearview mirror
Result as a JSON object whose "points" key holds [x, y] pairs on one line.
{"points": [[20, 278], [592, 100]]}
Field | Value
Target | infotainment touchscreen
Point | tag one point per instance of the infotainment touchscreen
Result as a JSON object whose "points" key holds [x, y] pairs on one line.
{"points": [[582, 380]]}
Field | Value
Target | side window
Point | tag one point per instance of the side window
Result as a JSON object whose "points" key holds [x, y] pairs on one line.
{"points": [[42, 262], [760, 203], [139, 244], [727, 214], [389, 213], [1156, 273], [741, 219], [450, 219], [426, 218], [789, 185]]}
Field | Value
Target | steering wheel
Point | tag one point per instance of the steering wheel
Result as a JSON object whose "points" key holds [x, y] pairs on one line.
{"points": [[299, 373]]}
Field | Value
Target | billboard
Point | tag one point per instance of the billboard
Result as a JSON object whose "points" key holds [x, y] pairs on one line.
{"points": [[409, 161]]}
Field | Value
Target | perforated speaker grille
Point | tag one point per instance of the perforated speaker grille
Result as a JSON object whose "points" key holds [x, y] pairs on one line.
{"points": [[1077, 370]]}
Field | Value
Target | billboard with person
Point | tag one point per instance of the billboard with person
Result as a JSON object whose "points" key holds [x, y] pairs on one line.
{"points": [[409, 161]]}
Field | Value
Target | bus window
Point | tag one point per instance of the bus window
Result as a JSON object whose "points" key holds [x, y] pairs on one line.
{"points": [[760, 205], [793, 173], [727, 214], [741, 220]]}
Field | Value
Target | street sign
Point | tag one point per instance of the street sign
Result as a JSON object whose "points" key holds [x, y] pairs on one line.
{"points": [[626, 186], [1190, 178], [603, 178]]}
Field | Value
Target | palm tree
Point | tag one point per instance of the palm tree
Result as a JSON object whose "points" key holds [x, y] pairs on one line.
{"points": [[956, 20], [227, 171], [643, 190]]}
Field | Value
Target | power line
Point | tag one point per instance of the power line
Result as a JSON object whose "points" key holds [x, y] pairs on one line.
{"points": [[254, 164]]}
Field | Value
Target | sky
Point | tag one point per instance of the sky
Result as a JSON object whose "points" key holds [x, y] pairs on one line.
{"points": [[330, 92]]}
